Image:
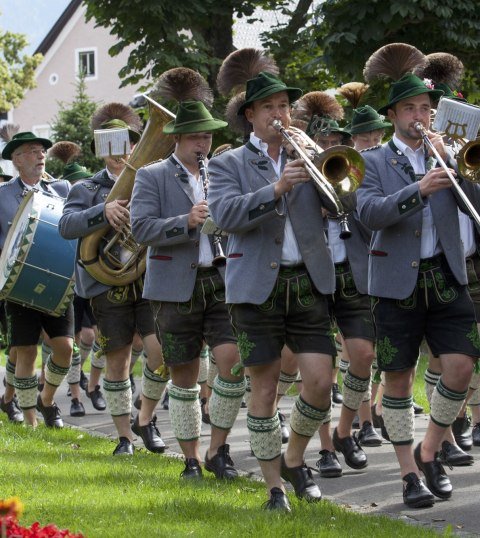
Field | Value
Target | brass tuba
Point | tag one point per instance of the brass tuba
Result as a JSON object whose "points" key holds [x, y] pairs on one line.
{"points": [[115, 259]]}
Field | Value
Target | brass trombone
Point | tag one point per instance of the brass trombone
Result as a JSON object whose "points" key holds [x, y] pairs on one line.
{"points": [[336, 172]]}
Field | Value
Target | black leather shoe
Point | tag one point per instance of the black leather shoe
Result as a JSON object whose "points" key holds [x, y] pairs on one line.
{"points": [[284, 428], [337, 396], [415, 493], [460, 429], [133, 386], [354, 456], [476, 434], [367, 436], [124, 448], [76, 408], [436, 478], [278, 501], [83, 381], [328, 465], [302, 481], [377, 420], [221, 464], [417, 409], [356, 422], [98, 401], [51, 414], [243, 405], [453, 456], [164, 402], [192, 469], [150, 435], [40, 387], [205, 415], [14, 413]]}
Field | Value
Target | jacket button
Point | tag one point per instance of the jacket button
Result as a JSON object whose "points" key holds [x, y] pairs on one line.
{"points": [[175, 230], [414, 200], [193, 265], [274, 265], [414, 264], [417, 233], [404, 206], [197, 243], [261, 207], [278, 241]]}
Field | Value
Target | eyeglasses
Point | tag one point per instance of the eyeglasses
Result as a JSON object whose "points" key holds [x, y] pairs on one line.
{"points": [[36, 152]]}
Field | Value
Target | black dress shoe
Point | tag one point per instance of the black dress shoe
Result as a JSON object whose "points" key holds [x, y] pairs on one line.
{"points": [[40, 387], [14, 413], [356, 422], [453, 456], [98, 401], [460, 429], [437, 480], [124, 448], [164, 402], [302, 481], [415, 493], [278, 501], [243, 405], [192, 469], [367, 436], [138, 402], [284, 428], [328, 465], [377, 420], [205, 415], [76, 408], [337, 396], [417, 409], [476, 434], [150, 435], [51, 414], [83, 381], [221, 464], [133, 386], [354, 456]]}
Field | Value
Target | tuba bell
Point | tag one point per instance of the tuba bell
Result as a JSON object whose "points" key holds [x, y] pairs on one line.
{"points": [[114, 258]]}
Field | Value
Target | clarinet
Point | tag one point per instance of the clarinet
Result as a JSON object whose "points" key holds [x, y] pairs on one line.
{"points": [[219, 258]]}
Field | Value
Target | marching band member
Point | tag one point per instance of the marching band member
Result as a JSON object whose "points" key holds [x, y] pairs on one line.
{"points": [[278, 279], [185, 288], [119, 310], [28, 152], [417, 277]]}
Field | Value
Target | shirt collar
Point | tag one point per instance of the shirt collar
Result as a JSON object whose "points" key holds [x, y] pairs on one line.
{"points": [[260, 144], [407, 150], [113, 177]]}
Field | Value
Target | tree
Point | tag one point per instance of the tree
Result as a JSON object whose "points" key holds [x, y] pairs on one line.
{"points": [[353, 29], [73, 124], [198, 35], [17, 72]]}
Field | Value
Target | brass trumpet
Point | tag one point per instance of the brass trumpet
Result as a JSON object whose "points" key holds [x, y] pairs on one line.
{"points": [[336, 172]]}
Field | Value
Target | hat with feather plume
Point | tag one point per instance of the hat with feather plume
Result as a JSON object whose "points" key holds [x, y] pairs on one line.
{"points": [[396, 62], [445, 71], [194, 97], [67, 152]]}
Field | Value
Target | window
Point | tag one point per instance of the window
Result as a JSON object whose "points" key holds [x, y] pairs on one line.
{"points": [[86, 62]]}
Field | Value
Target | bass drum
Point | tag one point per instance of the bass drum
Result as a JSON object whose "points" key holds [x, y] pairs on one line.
{"points": [[37, 264]]}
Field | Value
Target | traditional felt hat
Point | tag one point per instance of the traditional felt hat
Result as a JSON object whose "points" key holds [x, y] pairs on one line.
{"points": [[23, 138], [366, 119], [6, 177], [264, 85], [409, 86], [193, 117], [448, 92], [321, 126], [74, 172], [117, 116]]}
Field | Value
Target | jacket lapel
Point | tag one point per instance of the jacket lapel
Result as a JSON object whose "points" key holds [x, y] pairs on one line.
{"points": [[261, 164], [181, 178], [399, 163]]}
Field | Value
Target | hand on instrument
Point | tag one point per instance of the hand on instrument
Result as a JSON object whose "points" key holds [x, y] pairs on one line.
{"points": [[117, 214], [293, 173], [435, 180], [291, 151], [437, 140], [198, 214]]}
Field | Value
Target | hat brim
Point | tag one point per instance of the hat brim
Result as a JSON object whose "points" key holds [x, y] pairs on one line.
{"points": [[6, 177], [293, 95], [196, 126], [14, 144], [434, 94], [75, 176], [368, 126], [132, 135]]}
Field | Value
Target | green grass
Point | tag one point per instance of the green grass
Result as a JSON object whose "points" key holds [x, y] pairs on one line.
{"points": [[69, 478]]}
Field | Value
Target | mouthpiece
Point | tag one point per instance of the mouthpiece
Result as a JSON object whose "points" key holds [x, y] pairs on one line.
{"points": [[418, 126], [277, 125]]}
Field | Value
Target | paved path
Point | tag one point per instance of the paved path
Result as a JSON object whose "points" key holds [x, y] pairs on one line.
{"points": [[376, 490]]}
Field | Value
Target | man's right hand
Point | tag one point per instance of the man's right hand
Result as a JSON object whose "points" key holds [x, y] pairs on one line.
{"points": [[435, 180], [198, 214], [293, 173], [117, 214]]}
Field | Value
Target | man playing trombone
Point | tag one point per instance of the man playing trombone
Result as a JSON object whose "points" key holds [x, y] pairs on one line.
{"points": [[417, 277], [279, 274]]}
